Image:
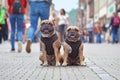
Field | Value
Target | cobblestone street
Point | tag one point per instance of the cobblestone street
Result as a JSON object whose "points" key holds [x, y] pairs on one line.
{"points": [[103, 63]]}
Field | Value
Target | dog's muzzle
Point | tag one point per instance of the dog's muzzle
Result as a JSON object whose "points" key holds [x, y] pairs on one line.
{"points": [[73, 35], [46, 29]]}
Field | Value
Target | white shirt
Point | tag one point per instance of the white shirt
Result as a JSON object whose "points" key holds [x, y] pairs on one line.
{"points": [[63, 19]]}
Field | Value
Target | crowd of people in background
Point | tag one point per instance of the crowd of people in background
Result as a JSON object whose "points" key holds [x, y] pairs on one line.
{"points": [[12, 22], [100, 33]]}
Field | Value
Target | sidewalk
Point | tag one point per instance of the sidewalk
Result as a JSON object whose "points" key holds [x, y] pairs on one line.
{"points": [[103, 63]]}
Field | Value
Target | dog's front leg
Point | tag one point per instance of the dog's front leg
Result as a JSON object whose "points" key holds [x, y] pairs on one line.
{"points": [[81, 57], [56, 46], [67, 50], [57, 56], [44, 55], [45, 62]]}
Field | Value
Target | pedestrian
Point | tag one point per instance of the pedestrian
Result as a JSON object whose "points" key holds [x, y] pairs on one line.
{"points": [[5, 29], [38, 9], [16, 12], [98, 32], [2, 22], [114, 25], [53, 17], [63, 21], [90, 30]]}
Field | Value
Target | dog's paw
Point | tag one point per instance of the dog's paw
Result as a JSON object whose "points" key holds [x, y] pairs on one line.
{"points": [[45, 64], [58, 64], [64, 64], [82, 63]]}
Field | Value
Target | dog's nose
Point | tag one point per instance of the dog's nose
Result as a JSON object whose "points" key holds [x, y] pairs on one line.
{"points": [[72, 34]]}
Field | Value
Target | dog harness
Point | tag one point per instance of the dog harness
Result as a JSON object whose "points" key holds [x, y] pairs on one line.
{"points": [[49, 43], [75, 48]]}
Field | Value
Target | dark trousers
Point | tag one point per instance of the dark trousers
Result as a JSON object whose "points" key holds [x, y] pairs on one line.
{"points": [[91, 38], [3, 32]]}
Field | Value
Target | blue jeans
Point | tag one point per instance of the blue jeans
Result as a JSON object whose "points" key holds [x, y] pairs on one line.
{"points": [[114, 33], [37, 9], [98, 38], [16, 21]]}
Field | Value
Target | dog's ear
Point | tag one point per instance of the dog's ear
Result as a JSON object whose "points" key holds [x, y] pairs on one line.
{"points": [[53, 22], [41, 23], [81, 31], [66, 29]]}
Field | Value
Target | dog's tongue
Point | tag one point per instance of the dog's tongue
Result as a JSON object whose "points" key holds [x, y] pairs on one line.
{"points": [[72, 36], [46, 30]]}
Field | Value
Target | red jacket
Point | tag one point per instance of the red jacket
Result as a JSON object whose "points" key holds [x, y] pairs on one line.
{"points": [[11, 2]]}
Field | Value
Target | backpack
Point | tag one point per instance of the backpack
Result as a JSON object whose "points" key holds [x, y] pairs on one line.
{"points": [[116, 21], [17, 7]]}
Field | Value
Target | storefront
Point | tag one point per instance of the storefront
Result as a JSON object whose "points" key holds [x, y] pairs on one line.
{"points": [[102, 15], [118, 11], [96, 17], [111, 8]]}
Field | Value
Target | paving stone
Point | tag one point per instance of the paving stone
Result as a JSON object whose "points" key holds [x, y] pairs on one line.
{"points": [[102, 64]]}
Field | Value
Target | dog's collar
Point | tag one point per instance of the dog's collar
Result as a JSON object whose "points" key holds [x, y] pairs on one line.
{"points": [[47, 36]]}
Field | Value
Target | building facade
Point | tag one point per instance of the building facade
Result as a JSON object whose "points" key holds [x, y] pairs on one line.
{"points": [[81, 14]]}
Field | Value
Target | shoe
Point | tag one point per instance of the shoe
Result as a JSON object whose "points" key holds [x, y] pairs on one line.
{"points": [[19, 46], [13, 49], [28, 49]]}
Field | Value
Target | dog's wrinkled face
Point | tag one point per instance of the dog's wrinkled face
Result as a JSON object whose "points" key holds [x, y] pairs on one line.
{"points": [[47, 28], [73, 33]]}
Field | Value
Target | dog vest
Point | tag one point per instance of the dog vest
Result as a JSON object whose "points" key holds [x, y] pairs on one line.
{"points": [[49, 43], [75, 48]]}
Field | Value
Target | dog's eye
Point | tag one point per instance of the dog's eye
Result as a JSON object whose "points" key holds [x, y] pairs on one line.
{"points": [[76, 30], [50, 24], [68, 29], [42, 24]]}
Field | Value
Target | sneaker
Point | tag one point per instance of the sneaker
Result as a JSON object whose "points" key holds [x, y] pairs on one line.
{"points": [[19, 46], [13, 49], [28, 49]]}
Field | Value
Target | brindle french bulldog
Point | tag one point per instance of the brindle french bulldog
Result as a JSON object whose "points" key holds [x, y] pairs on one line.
{"points": [[73, 47], [50, 44]]}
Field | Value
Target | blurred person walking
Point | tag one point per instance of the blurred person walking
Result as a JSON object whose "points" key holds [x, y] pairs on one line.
{"points": [[16, 12], [53, 17], [90, 30], [114, 25], [63, 21], [98, 32], [2, 23], [38, 9]]}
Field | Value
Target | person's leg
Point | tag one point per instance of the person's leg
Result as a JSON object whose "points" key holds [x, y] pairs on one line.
{"points": [[113, 35], [90, 36], [96, 37], [23, 35], [3, 32], [0, 34], [116, 36], [99, 38], [61, 32], [12, 21], [44, 11], [6, 30], [20, 18], [34, 21]]}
